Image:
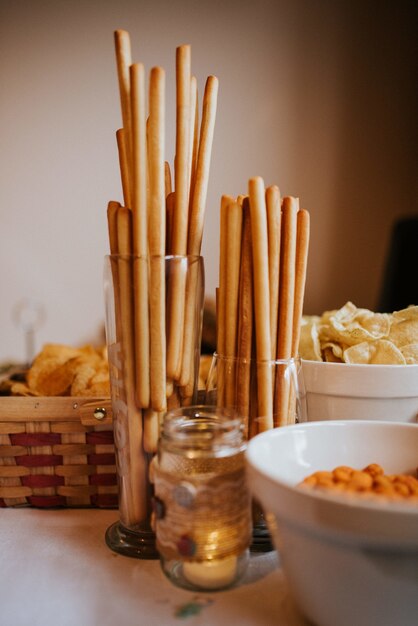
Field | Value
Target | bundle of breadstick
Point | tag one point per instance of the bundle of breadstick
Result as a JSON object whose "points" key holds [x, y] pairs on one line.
{"points": [[264, 243], [161, 214]]}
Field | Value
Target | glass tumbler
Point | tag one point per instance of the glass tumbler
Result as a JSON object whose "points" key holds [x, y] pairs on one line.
{"points": [[154, 312], [266, 394]]}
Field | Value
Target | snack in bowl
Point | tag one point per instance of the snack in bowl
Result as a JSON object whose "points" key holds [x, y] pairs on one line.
{"points": [[361, 365], [348, 559], [370, 481], [355, 335], [61, 370]]}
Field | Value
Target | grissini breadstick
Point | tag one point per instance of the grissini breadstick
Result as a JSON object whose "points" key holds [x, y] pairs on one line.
{"points": [[195, 147], [112, 226], [116, 337], [286, 304], [183, 64], [200, 187], [136, 481], [233, 253], [193, 111], [124, 230], [245, 319], [157, 239], [140, 235], [151, 430], [261, 300], [287, 277], [196, 220], [112, 209], [302, 247], [273, 225], [221, 293], [139, 158], [167, 179], [181, 211], [169, 204], [124, 167], [123, 62]]}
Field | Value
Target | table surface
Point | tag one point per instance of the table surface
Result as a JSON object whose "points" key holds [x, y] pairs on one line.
{"points": [[56, 570]]}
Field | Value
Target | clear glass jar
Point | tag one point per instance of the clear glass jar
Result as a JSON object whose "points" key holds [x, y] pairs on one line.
{"points": [[202, 504]]}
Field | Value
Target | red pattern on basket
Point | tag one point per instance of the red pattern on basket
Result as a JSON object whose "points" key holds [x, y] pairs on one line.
{"points": [[35, 439], [58, 480], [42, 480], [104, 437], [101, 459], [39, 460]]}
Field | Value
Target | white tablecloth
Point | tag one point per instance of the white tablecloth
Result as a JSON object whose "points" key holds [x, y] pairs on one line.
{"points": [[56, 570]]}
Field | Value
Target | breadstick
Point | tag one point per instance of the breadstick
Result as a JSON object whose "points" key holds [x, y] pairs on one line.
{"points": [[286, 306], [183, 63], [151, 430], [123, 61], [261, 300], [157, 239], [200, 187], [112, 209], [167, 179], [136, 481], [191, 164], [302, 246], [181, 209], [220, 301], [245, 319], [198, 204], [195, 147], [192, 325], [225, 200], [169, 204], [140, 237], [233, 253], [273, 225], [124, 167], [287, 277]]}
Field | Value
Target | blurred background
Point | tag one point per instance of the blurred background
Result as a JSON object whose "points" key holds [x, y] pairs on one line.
{"points": [[316, 96]]}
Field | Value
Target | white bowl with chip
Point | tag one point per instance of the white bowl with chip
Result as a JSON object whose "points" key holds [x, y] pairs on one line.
{"points": [[361, 391], [348, 560]]}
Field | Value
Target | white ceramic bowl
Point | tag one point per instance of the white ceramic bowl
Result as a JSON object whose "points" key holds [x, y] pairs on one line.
{"points": [[349, 561], [367, 392]]}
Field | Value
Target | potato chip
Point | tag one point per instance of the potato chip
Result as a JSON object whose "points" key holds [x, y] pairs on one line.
{"points": [[351, 327], [309, 346], [63, 370], [332, 351], [22, 389], [82, 379], [329, 356], [57, 382], [404, 330], [410, 353], [381, 352], [411, 312], [97, 389], [358, 335]]}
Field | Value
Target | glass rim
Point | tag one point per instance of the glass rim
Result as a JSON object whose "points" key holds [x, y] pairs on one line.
{"points": [[166, 257], [202, 410], [245, 360]]}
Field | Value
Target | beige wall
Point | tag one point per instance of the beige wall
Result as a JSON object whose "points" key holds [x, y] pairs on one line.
{"points": [[317, 96]]}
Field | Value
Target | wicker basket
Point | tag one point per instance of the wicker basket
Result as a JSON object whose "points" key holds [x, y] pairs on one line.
{"points": [[57, 452]]}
